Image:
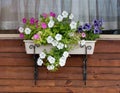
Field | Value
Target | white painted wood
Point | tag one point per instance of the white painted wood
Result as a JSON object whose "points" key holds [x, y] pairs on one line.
{"points": [[102, 37], [76, 48]]}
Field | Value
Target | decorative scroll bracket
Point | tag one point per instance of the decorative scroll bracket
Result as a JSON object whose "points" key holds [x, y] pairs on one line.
{"points": [[85, 63], [35, 57]]}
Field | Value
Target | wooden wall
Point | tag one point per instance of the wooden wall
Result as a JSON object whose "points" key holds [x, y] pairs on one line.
{"points": [[16, 71]]}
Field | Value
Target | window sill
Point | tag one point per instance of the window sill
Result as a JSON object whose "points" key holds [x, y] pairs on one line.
{"points": [[102, 37]]}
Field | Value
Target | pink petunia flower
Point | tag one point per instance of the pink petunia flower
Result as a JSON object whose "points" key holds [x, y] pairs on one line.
{"points": [[24, 20], [21, 35], [83, 34], [44, 25], [52, 14], [44, 15], [32, 21], [36, 36]]}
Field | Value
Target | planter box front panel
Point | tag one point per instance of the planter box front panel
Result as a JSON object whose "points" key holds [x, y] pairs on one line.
{"points": [[76, 50]]}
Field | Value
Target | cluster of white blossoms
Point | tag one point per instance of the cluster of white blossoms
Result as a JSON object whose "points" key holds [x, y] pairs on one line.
{"points": [[60, 18], [52, 60], [55, 42], [26, 30], [73, 24]]}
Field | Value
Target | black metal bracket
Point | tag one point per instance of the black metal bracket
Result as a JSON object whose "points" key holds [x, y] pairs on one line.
{"points": [[35, 57], [85, 63]]}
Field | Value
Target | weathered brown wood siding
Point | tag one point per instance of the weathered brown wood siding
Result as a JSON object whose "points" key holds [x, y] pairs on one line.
{"points": [[16, 71]]}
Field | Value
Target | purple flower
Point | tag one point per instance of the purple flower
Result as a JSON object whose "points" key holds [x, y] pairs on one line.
{"points": [[21, 35], [97, 30], [24, 20], [87, 27], [36, 36], [52, 14], [80, 29], [98, 23], [43, 25], [32, 21]]}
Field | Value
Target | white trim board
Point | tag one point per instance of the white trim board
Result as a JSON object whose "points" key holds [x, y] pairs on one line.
{"points": [[102, 37]]}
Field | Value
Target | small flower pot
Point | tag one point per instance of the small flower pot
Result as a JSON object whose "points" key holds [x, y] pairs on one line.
{"points": [[77, 49]]}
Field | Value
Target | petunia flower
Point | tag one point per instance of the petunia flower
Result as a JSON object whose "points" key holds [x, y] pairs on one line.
{"points": [[50, 67], [66, 54], [21, 29], [80, 29], [52, 14], [54, 42], [58, 37], [73, 25], [49, 39], [21, 35], [42, 55], [51, 23], [96, 30], [83, 35], [39, 61], [62, 61], [60, 45], [60, 18], [43, 25], [24, 20], [65, 14], [51, 59], [27, 31], [36, 36], [32, 21], [86, 27]]}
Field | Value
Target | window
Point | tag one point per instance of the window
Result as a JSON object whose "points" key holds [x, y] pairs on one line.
{"points": [[12, 11]]}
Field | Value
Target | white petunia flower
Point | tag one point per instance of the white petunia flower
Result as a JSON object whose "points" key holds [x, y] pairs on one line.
{"points": [[51, 59], [50, 67], [39, 61], [65, 54], [49, 39], [60, 46], [21, 29], [51, 23], [62, 61], [54, 42], [82, 43], [42, 55], [65, 14], [58, 37], [71, 16], [59, 18], [73, 25], [27, 31]]}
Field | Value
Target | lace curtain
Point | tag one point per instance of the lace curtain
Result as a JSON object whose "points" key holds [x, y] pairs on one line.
{"points": [[12, 11]]}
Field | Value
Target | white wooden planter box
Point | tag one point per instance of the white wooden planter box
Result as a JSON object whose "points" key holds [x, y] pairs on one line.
{"points": [[76, 50]]}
